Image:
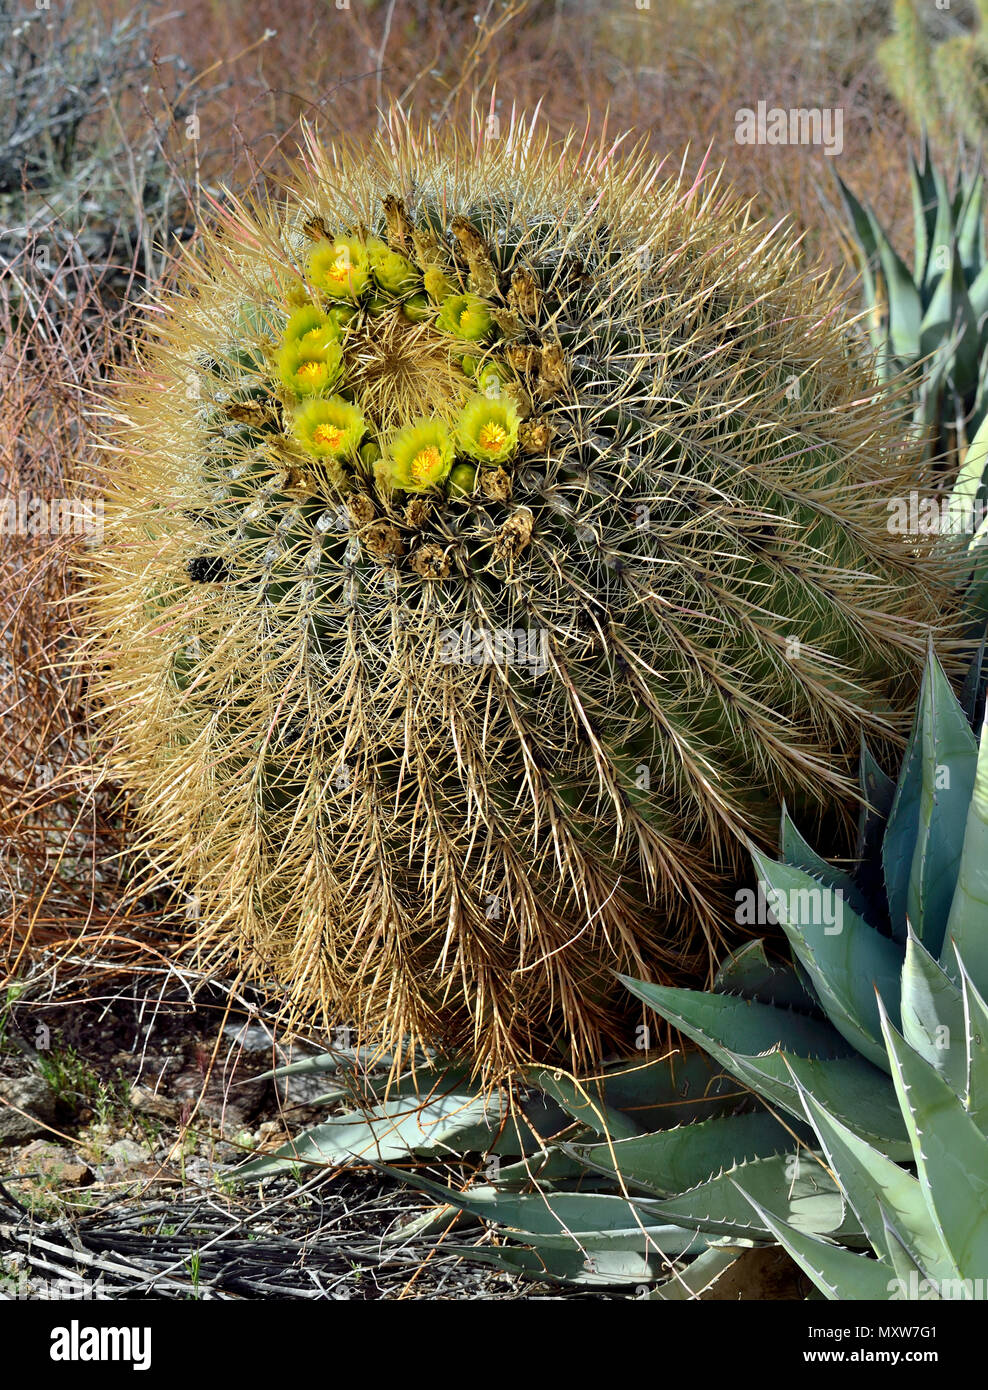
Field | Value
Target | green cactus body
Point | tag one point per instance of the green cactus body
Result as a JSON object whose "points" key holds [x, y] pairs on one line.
{"points": [[447, 711]]}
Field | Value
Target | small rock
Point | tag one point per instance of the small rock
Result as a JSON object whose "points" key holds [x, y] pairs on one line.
{"points": [[149, 1104], [251, 1037], [54, 1164], [124, 1152], [271, 1135], [29, 1093]]}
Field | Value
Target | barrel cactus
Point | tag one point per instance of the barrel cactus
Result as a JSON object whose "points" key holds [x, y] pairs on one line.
{"points": [[497, 531]]}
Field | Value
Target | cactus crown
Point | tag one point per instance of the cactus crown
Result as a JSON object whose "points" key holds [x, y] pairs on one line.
{"points": [[498, 533]]}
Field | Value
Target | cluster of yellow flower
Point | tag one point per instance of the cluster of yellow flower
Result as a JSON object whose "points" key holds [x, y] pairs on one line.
{"points": [[351, 278]]}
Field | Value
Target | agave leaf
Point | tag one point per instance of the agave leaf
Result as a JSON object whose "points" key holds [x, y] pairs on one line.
{"points": [[902, 830], [453, 1123], [749, 973], [943, 223], [878, 1188], [976, 594], [434, 1221], [978, 294], [969, 486], [839, 1274], [585, 1224], [933, 1015], [970, 228], [859, 1096], [967, 924], [795, 851], [740, 1026], [700, 1275], [548, 1165], [586, 1108], [878, 792], [846, 959], [923, 216], [864, 228], [950, 316], [905, 305], [678, 1089], [976, 1047], [675, 1159], [951, 1155], [906, 1267], [601, 1269], [972, 693], [931, 390], [791, 1187], [950, 759], [857, 1091], [333, 1062]]}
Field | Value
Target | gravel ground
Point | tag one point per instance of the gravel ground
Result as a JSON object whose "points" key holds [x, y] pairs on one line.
{"points": [[122, 1122]]}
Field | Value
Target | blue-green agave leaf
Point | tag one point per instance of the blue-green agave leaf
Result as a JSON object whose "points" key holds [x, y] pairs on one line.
{"points": [[950, 317], [902, 830], [950, 759], [967, 923], [794, 851], [584, 1107], [839, 1274], [739, 1026], [600, 1269], [976, 1041], [699, 1275], [933, 1015], [675, 1159], [749, 973], [951, 1155], [860, 1093], [846, 959], [877, 1189], [970, 228], [795, 1187], [676, 1089]]}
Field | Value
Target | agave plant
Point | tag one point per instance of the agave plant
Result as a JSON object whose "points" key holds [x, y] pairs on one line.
{"points": [[575, 1176], [928, 1231], [881, 938], [932, 322], [495, 537]]}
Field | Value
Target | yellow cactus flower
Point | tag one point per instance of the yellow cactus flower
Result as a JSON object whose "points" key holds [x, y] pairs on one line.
{"points": [[464, 316], [487, 430], [393, 272], [311, 329], [330, 428], [418, 456], [312, 368], [340, 268]]}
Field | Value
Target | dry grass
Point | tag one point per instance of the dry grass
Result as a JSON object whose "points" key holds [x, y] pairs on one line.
{"points": [[60, 886], [678, 72]]}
